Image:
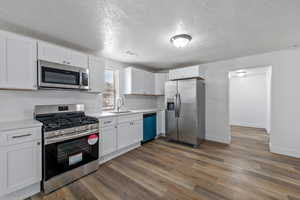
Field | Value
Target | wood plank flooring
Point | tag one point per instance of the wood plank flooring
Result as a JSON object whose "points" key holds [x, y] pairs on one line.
{"points": [[162, 170]]}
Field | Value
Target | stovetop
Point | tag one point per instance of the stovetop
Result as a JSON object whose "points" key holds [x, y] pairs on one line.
{"points": [[52, 122]]}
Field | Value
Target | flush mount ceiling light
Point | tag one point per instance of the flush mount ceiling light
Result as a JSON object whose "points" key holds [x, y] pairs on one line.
{"points": [[241, 73], [181, 40]]}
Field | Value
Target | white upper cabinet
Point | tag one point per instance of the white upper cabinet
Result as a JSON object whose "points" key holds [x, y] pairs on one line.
{"points": [[52, 53], [78, 59], [186, 72], [160, 79], [96, 74], [138, 81], [149, 80], [18, 62], [56, 54]]}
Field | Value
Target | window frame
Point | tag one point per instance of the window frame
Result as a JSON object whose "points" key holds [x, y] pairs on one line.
{"points": [[114, 91]]}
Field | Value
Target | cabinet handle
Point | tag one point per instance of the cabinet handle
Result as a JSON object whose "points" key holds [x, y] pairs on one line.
{"points": [[20, 136], [107, 122], [38, 143]]}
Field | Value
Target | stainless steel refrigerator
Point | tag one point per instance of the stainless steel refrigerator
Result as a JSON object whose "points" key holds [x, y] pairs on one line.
{"points": [[185, 111]]}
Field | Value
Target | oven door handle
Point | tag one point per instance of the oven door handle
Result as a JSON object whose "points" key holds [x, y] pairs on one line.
{"points": [[61, 139]]}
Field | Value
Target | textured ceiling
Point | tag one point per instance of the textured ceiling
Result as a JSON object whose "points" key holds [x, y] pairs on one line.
{"points": [[139, 31]]}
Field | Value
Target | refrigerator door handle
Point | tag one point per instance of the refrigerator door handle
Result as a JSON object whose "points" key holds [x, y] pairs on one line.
{"points": [[179, 105], [175, 106]]}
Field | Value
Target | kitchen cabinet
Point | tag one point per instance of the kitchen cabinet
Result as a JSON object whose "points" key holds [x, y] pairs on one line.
{"points": [[18, 61], [160, 79], [137, 131], [161, 121], [134, 81], [149, 83], [138, 81], [56, 54], [108, 140], [186, 72], [20, 159], [96, 74], [120, 134], [125, 134], [130, 130]]}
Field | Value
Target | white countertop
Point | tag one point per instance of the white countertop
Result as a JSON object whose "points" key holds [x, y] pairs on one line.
{"points": [[109, 114], [12, 125], [31, 123]]}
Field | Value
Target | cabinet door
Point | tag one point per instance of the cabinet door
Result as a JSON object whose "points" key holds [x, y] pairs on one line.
{"points": [[137, 81], [78, 59], [159, 123], [23, 165], [52, 53], [108, 140], [2, 61], [160, 79], [21, 63], [125, 136], [96, 72], [149, 81], [137, 131]]}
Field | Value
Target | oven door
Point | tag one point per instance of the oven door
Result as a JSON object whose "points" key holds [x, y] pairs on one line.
{"points": [[64, 156], [58, 76]]}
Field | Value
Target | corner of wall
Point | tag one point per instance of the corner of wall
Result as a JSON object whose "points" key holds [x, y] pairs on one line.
{"points": [[284, 151]]}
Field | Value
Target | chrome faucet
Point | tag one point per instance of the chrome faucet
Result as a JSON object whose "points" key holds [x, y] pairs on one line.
{"points": [[120, 102]]}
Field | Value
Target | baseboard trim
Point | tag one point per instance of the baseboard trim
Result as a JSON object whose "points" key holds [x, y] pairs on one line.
{"points": [[217, 139], [284, 151], [23, 193], [117, 153]]}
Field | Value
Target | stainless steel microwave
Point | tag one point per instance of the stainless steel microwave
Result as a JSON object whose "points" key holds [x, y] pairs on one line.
{"points": [[52, 76]]}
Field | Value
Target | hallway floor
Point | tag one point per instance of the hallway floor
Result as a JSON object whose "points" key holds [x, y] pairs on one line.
{"points": [[162, 170]]}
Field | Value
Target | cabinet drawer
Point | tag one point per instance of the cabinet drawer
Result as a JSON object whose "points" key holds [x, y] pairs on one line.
{"points": [[130, 118], [108, 122], [20, 136]]}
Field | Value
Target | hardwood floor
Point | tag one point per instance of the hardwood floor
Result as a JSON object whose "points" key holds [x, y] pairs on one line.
{"points": [[162, 170]]}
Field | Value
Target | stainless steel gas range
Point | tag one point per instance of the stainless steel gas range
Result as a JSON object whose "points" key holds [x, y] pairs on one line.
{"points": [[70, 144]]}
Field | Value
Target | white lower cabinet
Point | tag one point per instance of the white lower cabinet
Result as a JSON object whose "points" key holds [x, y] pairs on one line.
{"points": [[161, 121], [138, 131], [20, 160], [108, 140], [125, 135], [119, 135]]}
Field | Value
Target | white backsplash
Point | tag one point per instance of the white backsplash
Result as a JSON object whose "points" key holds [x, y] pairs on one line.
{"points": [[19, 105], [133, 102]]}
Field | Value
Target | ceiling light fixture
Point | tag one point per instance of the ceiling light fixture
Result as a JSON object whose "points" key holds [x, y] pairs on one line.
{"points": [[181, 40], [241, 73]]}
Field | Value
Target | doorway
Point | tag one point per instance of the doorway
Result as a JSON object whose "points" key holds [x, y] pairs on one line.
{"points": [[250, 106]]}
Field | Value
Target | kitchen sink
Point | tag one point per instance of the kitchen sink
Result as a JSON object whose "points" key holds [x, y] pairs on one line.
{"points": [[121, 111]]}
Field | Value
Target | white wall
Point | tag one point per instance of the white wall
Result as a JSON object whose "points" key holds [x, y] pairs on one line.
{"points": [[248, 100], [285, 98]]}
